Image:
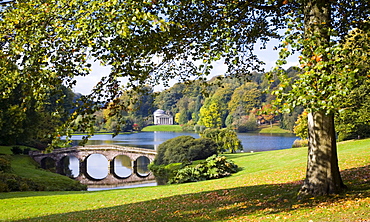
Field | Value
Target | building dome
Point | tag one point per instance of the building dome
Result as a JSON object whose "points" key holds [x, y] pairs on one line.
{"points": [[161, 118], [159, 112]]}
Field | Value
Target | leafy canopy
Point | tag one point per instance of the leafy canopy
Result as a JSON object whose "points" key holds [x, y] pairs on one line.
{"points": [[46, 43]]}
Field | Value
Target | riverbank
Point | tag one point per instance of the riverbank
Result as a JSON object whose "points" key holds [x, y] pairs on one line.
{"points": [[265, 190], [177, 128], [273, 129], [163, 128]]}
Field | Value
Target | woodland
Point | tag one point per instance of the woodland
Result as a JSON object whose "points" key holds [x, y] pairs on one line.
{"points": [[45, 44]]}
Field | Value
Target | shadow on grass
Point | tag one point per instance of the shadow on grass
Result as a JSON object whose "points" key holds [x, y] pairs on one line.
{"points": [[258, 201]]}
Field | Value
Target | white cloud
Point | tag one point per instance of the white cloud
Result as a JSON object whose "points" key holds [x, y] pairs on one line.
{"points": [[86, 83]]}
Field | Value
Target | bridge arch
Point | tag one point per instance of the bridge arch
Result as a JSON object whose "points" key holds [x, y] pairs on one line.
{"points": [[49, 163], [69, 165], [97, 166], [141, 166], [139, 158], [122, 166]]}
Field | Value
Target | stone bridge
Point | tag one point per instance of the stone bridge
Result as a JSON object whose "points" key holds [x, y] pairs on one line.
{"points": [[102, 165]]}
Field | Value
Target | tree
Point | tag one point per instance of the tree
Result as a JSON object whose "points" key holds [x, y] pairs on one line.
{"points": [[210, 114], [184, 149], [301, 126], [46, 43], [226, 139], [29, 125], [245, 98], [329, 74], [246, 123], [354, 122], [268, 113]]}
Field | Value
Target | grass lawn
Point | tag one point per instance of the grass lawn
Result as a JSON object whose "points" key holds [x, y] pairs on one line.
{"points": [[273, 129], [24, 166], [264, 190], [173, 128]]}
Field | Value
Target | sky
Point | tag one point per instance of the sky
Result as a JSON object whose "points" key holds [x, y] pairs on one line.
{"points": [[269, 56]]}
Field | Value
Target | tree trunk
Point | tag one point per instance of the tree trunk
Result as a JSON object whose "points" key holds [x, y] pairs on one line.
{"points": [[323, 176]]}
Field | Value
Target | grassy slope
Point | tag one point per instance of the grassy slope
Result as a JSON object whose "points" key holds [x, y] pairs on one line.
{"points": [[273, 129], [176, 128], [24, 166], [264, 190]]}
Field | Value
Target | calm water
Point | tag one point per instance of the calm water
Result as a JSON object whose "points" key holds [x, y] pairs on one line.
{"points": [[151, 140], [251, 141]]}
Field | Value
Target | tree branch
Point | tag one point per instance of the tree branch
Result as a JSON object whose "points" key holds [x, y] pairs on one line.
{"points": [[3, 2]]}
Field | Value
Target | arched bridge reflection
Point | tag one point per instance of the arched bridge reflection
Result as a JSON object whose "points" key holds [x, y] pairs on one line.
{"points": [[99, 165]]}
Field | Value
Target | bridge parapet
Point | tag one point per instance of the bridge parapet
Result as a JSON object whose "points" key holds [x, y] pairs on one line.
{"points": [[139, 158]]}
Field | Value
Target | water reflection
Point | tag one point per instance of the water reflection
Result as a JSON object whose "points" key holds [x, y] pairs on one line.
{"points": [[70, 166], [151, 140], [122, 166], [97, 166], [142, 166]]}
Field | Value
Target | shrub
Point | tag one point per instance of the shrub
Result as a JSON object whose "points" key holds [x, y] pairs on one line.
{"points": [[16, 150], [212, 168], [26, 151], [12, 182], [242, 129], [200, 149], [3, 187], [226, 139], [199, 128], [300, 143], [188, 127], [163, 173], [5, 165], [184, 149], [189, 174], [219, 166], [248, 126]]}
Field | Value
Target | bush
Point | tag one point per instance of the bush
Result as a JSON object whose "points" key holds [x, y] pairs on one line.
{"points": [[226, 139], [214, 167], [247, 127], [16, 150], [200, 149], [184, 149], [12, 182], [26, 151], [3, 187], [163, 173], [188, 127], [199, 128], [5, 165], [300, 143]]}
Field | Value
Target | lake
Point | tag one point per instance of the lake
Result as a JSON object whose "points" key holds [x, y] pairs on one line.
{"points": [[255, 142], [252, 142]]}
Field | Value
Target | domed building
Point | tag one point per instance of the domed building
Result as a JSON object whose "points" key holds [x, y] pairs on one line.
{"points": [[161, 118]]}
